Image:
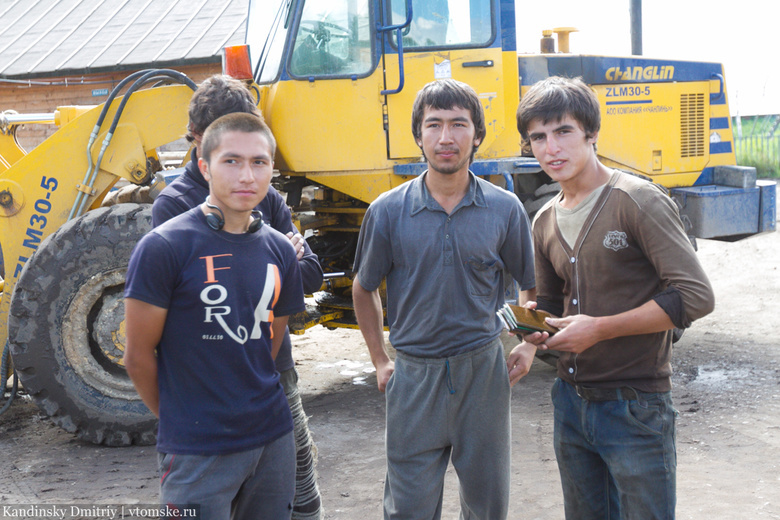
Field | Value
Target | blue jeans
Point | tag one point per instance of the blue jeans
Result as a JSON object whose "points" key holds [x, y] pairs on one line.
{"points": [[617, 459]]}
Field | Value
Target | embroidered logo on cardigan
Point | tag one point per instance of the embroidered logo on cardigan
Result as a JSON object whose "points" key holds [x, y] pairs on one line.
{"points": [[616, 240]]}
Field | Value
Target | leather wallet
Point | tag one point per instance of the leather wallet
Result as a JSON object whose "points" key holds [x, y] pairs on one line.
{"points": [[521, 320]]}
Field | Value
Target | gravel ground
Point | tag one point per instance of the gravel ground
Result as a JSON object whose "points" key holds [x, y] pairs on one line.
{"points": [[727, 390]]}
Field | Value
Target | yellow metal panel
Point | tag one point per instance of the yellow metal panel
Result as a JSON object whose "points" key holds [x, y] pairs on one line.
{"points": [[421, 68], [669, 180], [506, 142], [644, 126], [365, 186], [724, 135], [125, 154], [65, 114], [10, 151], [312, 124]]}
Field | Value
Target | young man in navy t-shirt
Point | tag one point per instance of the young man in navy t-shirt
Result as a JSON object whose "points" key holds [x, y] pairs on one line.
{"points": [[218, 96], [207, 299]]}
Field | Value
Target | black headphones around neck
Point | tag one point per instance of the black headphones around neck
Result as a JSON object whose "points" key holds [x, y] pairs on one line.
{"points": [[217, 222]]}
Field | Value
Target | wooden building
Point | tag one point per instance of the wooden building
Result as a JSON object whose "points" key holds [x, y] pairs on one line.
{"points": [[74, 52]]}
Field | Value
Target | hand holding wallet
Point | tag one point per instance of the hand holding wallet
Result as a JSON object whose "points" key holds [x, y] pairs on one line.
{"points": [[520, 320]]}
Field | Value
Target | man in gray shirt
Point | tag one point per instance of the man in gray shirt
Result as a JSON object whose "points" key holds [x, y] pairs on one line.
{"points": [[443, 243]]}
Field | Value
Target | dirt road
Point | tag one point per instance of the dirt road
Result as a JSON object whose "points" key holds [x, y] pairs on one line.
{"points": [[727, 389]]}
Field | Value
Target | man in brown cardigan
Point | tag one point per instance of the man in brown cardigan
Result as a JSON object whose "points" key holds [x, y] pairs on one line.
{"points": [[613, 260]]}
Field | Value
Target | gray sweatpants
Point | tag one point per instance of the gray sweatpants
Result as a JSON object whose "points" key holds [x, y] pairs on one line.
{"points": [[438, 409], [257, 484]]}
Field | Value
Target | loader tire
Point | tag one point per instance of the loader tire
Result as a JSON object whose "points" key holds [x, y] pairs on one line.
{"points": [[66, 327], [541, 196]]}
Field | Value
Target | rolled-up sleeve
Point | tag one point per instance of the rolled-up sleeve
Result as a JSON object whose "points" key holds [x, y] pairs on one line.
{"points": [[671, 253]]}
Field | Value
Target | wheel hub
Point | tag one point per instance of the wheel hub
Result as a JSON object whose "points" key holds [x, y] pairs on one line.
{"points": [[109, 328], [93, 334]]}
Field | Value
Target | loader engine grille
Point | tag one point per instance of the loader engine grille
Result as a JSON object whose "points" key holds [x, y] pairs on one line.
{"points": [[692, 134]]}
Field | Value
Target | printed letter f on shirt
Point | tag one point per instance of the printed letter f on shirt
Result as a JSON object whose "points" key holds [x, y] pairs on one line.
{"points": [[210, 269]]}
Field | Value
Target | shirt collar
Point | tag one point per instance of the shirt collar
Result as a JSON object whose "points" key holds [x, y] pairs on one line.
{"points": [[422, 198]]}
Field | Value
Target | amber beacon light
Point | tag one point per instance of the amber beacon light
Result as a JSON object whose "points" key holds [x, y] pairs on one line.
{"points": [[235, 62]]}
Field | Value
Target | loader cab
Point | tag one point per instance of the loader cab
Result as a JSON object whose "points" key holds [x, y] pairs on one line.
{"points": [[339, 77]]}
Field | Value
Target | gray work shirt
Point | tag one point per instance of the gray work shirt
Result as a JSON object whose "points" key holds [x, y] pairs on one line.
{"points": [[445, 273]]}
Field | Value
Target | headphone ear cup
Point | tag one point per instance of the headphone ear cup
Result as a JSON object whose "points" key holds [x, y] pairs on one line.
{"points": [[214, 221], [255, 225]]}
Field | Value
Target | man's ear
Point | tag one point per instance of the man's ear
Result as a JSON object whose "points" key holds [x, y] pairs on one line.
{"points": [[204, 169]]}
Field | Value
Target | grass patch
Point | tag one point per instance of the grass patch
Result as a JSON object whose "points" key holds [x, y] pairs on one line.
{"points": [[762, 153], [765, 166], [759, 145]]}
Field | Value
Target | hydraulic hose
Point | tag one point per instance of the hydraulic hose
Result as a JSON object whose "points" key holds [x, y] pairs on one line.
{"points": [[96, 130], [144, 77]]}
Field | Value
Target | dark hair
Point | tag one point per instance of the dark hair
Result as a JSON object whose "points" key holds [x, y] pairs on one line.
{"points": [[217, 96], [556, 97], [236, 122], [446, 94]]}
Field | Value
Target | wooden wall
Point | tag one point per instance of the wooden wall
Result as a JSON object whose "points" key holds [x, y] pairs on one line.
{"points": [[37, 98]]}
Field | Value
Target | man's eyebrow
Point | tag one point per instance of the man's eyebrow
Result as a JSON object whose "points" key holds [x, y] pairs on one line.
{"points": [[556, 129], [239, 155], [439, 119]]}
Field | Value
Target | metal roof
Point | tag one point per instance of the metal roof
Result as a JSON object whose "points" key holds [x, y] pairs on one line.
{"points": [[64, 37]]}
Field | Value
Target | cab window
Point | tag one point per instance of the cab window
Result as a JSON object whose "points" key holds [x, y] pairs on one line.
{"points": [[333, 39], [445, 23], [266, 32]]}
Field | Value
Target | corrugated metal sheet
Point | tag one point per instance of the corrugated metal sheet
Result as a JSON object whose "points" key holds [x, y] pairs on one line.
{"points": [[61, 37]]}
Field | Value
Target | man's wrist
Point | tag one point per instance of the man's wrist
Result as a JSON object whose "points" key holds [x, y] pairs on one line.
{"points": [[380, 360], [605, 328]]}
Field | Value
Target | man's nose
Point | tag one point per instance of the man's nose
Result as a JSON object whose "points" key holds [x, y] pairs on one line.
{"points": [[446, 134], [246, 174], [552, 145]]}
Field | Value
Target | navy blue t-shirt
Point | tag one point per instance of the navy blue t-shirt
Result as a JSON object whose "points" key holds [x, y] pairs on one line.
{"points": [[190, 189], [219, 389]]}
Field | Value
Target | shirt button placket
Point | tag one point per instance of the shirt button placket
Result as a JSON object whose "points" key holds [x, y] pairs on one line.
{"points": [[573, 260], [447, 242]]}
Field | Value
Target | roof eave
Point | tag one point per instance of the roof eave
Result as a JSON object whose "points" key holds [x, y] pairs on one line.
{"points": [[172, 64]]}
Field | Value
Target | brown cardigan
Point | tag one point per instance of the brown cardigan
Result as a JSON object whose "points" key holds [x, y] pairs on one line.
{"points": [[632, 248]]}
